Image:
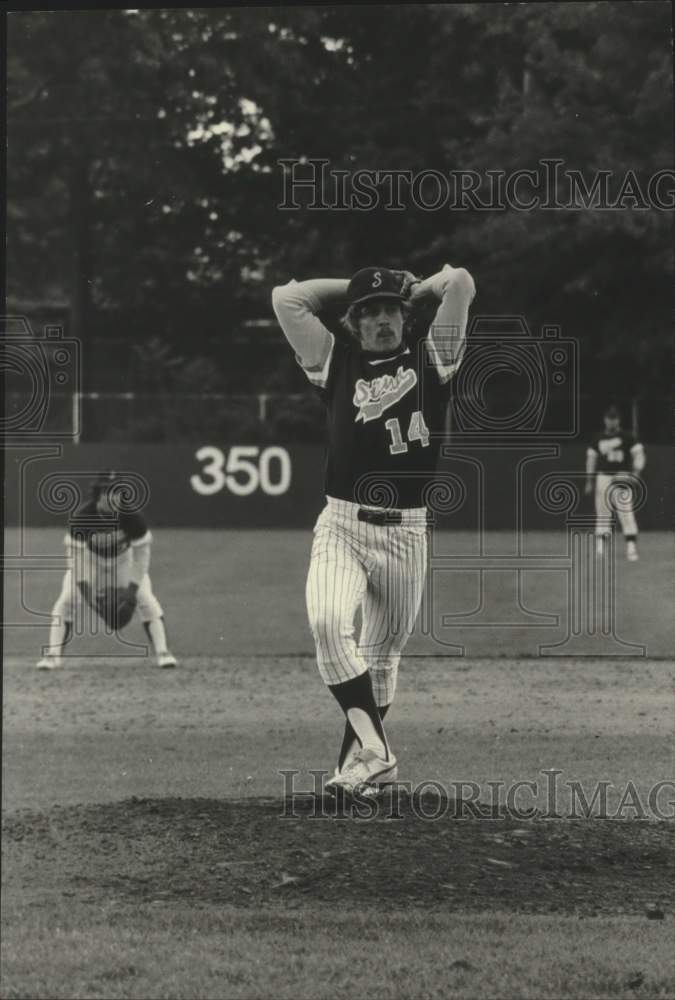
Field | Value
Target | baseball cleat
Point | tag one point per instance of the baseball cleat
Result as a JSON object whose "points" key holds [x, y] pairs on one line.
{"points": [[364, 772], [388, 779], [49, 663], [166, 660], [632, 552]]}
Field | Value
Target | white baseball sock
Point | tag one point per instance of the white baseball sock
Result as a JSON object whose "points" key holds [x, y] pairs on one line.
{"points": [[350, 743], [367, 734], [157, 633], [59, 631]]}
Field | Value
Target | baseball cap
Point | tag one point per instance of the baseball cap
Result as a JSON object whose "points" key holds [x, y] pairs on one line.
{"points": [[373, 283]]}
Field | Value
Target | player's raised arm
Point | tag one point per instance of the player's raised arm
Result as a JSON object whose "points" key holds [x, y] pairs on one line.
{"points": [[591, 466], [637, 453], [297, 305], [456, 290]]}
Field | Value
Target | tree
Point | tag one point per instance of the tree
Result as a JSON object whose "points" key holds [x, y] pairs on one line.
{"points": [[144, 175]]}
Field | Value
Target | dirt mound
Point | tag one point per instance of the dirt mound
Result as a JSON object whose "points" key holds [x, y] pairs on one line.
{"points": [[252, 851]]}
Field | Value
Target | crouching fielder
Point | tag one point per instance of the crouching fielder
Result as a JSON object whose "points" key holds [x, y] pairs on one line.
{"points": [[109, 558], [613, 457]]}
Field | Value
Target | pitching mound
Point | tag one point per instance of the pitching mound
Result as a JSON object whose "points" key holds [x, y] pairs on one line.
{"points": [[256, 851]]}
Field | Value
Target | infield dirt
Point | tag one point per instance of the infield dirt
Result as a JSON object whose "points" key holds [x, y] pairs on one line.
{"points": [[143, 805]]}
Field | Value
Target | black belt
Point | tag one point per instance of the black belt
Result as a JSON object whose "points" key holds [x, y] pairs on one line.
{"points": [[382, 517]]}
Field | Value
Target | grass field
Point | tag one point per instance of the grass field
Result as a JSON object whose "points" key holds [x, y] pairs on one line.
{"points": [[148, 849], [242, 593]]}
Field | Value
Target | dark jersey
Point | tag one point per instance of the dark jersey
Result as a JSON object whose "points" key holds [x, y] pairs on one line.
{"points": [[106, 535], [386, 418], [614, 451]]}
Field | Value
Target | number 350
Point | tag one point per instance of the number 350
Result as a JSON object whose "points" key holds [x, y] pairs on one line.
{"points": [[247, 469]]}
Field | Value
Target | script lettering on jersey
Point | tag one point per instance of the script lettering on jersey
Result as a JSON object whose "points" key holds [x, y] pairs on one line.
{"points": [[377, 395], [611, 449]]}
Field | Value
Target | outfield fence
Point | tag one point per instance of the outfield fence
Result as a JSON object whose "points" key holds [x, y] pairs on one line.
{"points": [[293, 417], [236, 482]]}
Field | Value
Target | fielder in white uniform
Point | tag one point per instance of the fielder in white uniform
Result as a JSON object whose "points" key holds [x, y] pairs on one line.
{"points": [[612, 458], [108, 550], [387, 401]]}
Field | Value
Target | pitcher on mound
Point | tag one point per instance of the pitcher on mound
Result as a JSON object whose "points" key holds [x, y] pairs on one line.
{"points": [[386, 402]]}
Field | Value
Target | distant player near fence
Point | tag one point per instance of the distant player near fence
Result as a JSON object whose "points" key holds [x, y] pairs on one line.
{"points": [[109, 555], [615, 458], [387, 401]]}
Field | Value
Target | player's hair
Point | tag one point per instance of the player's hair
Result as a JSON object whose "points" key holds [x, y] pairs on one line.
{"points": [[350, 320], [612, 411], [103, 481]]}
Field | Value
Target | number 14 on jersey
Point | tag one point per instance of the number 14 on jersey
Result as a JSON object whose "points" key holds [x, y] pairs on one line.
{"points": [[417, 431]]}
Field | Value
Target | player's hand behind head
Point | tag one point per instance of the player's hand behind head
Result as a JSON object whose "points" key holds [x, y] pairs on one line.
{"points": [[408, 280]]}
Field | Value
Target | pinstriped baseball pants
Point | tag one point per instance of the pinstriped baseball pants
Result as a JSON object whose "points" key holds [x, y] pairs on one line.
{"points": [[380, 569], [612, 494]]}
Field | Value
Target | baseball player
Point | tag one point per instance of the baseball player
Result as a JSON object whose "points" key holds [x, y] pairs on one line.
{"points": [[387, 401], [109, 556], [612, 457]]}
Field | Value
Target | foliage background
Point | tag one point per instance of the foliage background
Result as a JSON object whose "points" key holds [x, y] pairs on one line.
{"points": [[143, 176]]}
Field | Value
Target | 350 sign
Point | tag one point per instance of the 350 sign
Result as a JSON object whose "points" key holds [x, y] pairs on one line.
{"points": [[245, 469]]}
